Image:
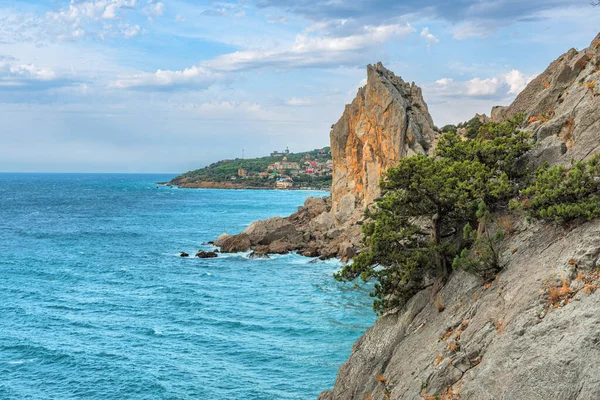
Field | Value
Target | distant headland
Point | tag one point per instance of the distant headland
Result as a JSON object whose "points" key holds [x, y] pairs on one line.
{"points": [[280, 170]]}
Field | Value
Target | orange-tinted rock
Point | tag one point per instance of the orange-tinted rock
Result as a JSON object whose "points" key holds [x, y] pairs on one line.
{"points": [[387, 120]]}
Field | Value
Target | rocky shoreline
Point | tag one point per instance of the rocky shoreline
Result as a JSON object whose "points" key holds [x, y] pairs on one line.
{"points": [[331, 227], [311, 232], [233, 186]]}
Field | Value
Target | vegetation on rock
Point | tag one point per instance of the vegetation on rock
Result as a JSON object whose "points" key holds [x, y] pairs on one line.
{"points": [[564, 194], [480, 254], [411, 237]]}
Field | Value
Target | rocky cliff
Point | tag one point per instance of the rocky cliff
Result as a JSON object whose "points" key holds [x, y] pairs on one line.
{"points": [[562, 106], [534, 331], [387, 120], [508, 339]]}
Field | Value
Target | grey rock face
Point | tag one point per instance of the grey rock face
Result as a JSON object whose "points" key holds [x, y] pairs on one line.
{"points": [[562, 106], [532, 333], [502, 341]]}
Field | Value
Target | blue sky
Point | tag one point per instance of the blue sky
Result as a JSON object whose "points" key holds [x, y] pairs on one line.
{"points": [[168, 86]]}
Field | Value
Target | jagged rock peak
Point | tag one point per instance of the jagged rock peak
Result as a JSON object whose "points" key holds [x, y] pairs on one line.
{"points": [[562, 106], [387, 120], [510, 329]]}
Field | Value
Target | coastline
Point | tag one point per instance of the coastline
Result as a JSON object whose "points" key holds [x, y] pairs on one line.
{"points": [[234, 186]]}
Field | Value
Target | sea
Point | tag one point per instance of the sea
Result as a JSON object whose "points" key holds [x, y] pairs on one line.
{"points": [[96, 303]]}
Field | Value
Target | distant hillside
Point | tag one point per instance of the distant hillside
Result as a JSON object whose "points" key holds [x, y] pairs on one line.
{"points": [[254, 172]]}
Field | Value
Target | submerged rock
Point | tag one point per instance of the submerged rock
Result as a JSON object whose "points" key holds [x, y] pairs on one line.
{"points": [[206, 254], [254, 254], [183, 254]]}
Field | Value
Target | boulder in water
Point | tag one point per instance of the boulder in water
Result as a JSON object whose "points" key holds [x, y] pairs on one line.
{"points": [[255, 254], [219, 241], [236, 243], [206, 254]]}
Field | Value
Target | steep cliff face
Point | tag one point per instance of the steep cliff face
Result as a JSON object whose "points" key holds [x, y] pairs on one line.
{"points": [[533, 332], [563, 107], [504, 340], [387, 120]]}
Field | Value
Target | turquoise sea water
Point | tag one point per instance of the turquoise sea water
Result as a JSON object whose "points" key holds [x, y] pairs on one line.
{"points": [[96, 304]]}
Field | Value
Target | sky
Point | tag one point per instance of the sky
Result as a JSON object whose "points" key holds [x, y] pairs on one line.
{"points": [[170, 86]]}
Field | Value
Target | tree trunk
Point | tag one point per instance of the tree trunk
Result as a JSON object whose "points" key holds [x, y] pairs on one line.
{"points": [[436, 238]]}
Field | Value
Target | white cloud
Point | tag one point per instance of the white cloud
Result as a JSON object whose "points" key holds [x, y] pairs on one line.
{"points": [[299, 101], [94, 17], [32, 72], [131, 31], [500, 86], [517, 81], [18, 76], [78, 11], [225, 10], [193, 77], [483, 87], [179, 19], [309, 51], [154, 9], [444, 81], [306, 51], [429, 37]]}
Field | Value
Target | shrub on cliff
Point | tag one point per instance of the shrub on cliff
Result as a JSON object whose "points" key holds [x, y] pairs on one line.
{"points": [[498, 146], [480, 254], [471, 126], [411, 234], [564, 194]]}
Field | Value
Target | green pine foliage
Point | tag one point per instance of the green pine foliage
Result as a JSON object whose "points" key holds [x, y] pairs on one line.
{"points": [[472, 126], [564, 194], [480, 255], [448, 129], [498, 146], [411, 234]]}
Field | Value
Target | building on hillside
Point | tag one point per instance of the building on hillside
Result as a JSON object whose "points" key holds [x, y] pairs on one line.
{"points": [[242, 172], [285, 183], [276, 153], [283, 165]]}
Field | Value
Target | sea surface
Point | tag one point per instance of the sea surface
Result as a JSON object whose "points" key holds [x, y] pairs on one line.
{"points": [[95, 302]]}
